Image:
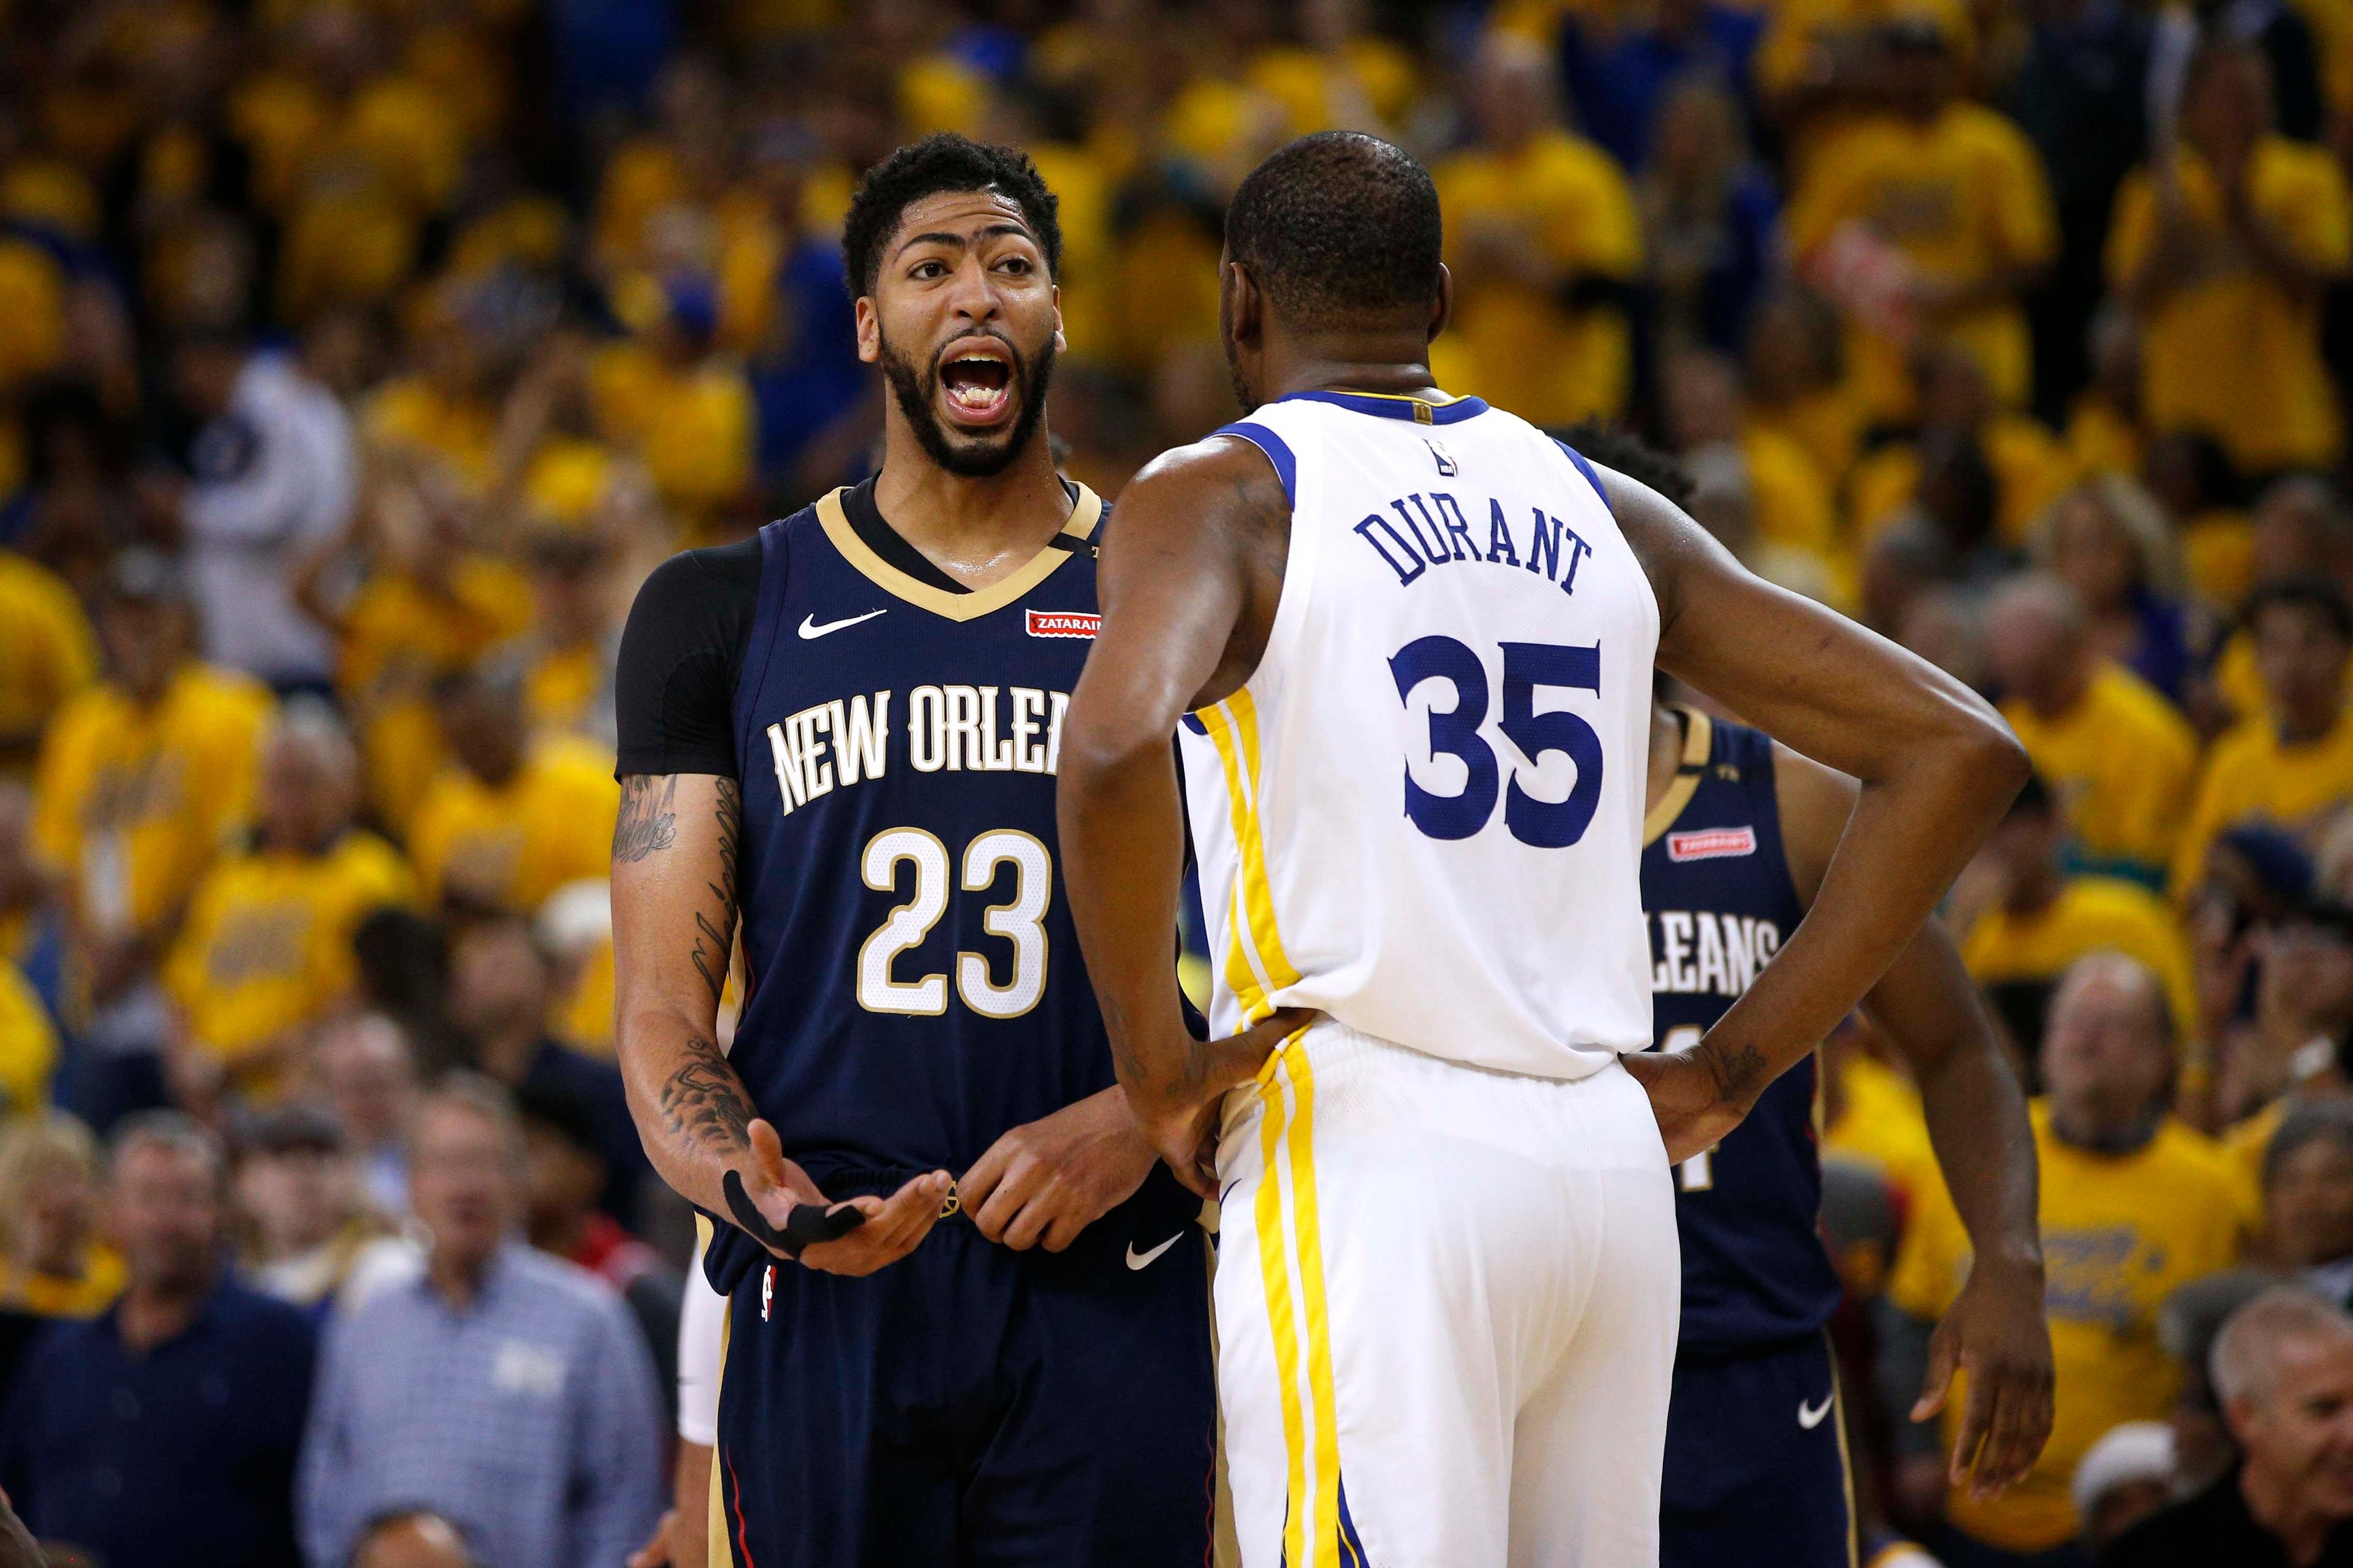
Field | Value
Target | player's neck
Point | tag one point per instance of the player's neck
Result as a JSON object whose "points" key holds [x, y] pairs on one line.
{"points": [[1385, 357], [976, 527]]}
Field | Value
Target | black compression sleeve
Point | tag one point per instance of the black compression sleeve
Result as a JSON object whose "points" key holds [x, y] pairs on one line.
{"points": [[681, 654]]}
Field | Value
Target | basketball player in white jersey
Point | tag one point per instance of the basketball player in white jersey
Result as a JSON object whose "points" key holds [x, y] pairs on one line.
{"points": [[1406, 640]]}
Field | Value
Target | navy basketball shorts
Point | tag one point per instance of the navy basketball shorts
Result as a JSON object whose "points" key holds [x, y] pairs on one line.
{"points": [[971, 1406], [1756, 1462]]}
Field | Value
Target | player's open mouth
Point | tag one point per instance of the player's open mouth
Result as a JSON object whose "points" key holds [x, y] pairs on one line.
{"points": [[976, 382]]}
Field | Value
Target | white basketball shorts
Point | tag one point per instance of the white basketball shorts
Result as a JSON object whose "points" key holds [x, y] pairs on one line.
{"points": [[1447, 1301]]}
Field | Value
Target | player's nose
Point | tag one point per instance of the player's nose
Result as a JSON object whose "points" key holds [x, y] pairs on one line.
{"points": [[973, 297]]}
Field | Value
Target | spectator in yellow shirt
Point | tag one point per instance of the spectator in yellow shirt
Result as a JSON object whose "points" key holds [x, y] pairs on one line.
{"points": [[142, 780], [2133, 1205], [682, 408], [48, 653], [266, 948], [1956, 192], [510, 822], [2292, 764], [2121, 760], [2226, 253], [2028, 922], [568, 679], [52, 1261], [2300, 525], [1542, 236]]}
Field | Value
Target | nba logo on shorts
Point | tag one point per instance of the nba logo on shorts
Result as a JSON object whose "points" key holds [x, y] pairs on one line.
{"points": [[767, 1291]]}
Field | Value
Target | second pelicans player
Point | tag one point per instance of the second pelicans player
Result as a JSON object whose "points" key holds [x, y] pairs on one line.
{"points": [[1410, 639]]}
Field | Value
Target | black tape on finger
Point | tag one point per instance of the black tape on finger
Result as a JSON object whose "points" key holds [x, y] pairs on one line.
{"points": [[806, 1226]]}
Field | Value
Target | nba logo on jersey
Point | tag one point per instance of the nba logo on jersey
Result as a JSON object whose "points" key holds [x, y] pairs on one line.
{"points": [[1711, 844], [767, 1291], [1447, 467]]}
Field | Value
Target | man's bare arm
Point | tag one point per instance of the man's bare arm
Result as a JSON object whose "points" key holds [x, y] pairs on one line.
{"points": [[1927, 1005], [1937, 767], [1188, 582], [674, 852]]}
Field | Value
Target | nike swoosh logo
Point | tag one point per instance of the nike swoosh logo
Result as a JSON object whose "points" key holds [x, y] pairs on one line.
{"points": [[1144, 1259], [810, 628], [1811, 1415]]}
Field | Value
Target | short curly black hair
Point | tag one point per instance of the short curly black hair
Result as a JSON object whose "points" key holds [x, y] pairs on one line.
{"points": [[1338, 224], [944, 162]]}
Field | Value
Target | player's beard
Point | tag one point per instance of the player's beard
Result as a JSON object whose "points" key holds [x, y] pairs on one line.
{"points": [[917, 387]]}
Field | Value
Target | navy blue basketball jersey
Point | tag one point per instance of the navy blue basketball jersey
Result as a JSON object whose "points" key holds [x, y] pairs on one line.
{"points": [[1717, 894], [916, 985]]}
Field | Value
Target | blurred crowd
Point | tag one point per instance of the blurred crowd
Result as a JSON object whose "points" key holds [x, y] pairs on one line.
{"points": [[358, 357]]}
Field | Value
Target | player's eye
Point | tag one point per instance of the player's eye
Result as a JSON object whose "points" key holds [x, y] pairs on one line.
{"points": [[927, 271], [1017, 264]]}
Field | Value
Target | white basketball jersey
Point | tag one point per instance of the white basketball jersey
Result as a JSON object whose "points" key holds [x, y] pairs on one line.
{"points": [[1423, 812]]}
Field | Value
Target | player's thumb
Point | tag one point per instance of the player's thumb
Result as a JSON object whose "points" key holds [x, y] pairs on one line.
{"points": [[767, 1152], [1237, 1058], [1943, 1361]]}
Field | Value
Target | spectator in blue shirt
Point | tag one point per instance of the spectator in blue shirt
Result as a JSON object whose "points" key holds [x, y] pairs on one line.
{"points": [[165, 1431], [1620, 77], [503, 1390]]}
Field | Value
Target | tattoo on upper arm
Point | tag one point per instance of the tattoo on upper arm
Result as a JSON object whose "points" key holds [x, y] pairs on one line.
{"points": [[703, 1101], [715, 938], [648, 822]]}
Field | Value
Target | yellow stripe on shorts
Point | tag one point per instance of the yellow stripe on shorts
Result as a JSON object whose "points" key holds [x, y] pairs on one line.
{"points": [[1312, 1516]]}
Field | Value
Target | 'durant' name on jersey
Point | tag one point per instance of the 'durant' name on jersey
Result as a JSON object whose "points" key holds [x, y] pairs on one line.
{"points": [[949, 728], [1437, 530], [1706, 952]]}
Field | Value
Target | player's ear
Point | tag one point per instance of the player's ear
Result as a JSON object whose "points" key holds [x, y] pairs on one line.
{"points": [[1061, 343], [1240, 303], [1443, 312], [870, 329]]}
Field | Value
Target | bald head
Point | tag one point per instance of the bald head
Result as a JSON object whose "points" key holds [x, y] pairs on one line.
{"points": [[2036, 629], [2108, 1048]]}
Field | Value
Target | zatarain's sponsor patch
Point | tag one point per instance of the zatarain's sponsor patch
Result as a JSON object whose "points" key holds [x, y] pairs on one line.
{"points": [[1064, 623], [1711, 844]]}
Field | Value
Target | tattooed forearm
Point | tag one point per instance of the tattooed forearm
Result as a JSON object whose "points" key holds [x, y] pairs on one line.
{"points": [[704, 1103], [648, 822], [714, 938]]}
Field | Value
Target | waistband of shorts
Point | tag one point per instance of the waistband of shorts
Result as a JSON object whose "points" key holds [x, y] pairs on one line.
{"points": [[845, 1182], [1336, 1044]]}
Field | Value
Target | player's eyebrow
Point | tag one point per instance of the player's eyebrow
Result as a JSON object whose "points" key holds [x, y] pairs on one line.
{"points": [[960, 241]]}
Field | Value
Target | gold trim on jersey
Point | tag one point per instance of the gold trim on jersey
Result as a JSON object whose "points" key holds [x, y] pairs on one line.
{"points": [[1698, 742], [1256, 966], [1311, 1529], [969, 607]]}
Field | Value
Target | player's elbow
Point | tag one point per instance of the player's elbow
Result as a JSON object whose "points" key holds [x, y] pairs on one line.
{"points": [[1099, 745], [1987, 752]]}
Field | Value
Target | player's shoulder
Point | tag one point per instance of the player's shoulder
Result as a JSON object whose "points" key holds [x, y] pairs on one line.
{"points": [[1236, 472]]}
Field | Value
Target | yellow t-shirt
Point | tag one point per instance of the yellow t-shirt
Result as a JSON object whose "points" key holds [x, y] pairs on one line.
{"points": [[1826, 424], [2123, 764], [399, 635], [2100, 440], [2120, 1234], [32, 313], [268, 942], [693, 431], [2252, 775], [1880, 1121], [1963, 197], [551, 824], [411, 412], [132, 804], [1518, 347], [1322, 91], [2089, 914], [46, 651], [1797, 27], [560, 685], [2229, 353], [1793, 500], [2030, 468], [28, 1044]]}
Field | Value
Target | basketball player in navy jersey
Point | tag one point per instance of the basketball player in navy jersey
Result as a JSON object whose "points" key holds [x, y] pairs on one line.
{"points": [[967, 1317], [1737, 836]]}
